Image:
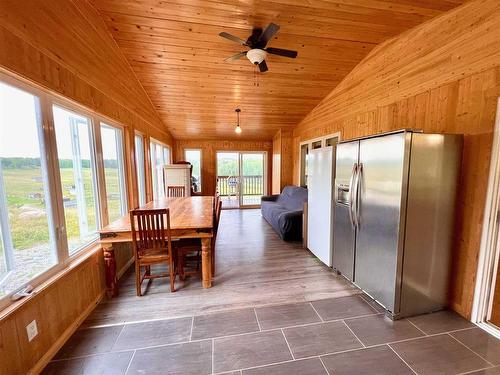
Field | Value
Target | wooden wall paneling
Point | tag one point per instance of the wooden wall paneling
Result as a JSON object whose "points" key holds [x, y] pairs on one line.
{"points": [[77, 79], [286, 158], [208, 152], [174, 48], [79, 61], [276, 179], [282, 160], [442, 76], [58, 308]]}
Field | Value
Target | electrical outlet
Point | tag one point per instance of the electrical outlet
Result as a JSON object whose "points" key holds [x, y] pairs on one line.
{"points": [[32, 330]]}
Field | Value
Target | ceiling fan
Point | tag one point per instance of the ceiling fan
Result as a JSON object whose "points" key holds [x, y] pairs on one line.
{"points": [[257, 43]]}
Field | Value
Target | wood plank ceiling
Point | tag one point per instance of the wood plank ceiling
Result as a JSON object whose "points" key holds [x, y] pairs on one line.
{"points": [[174, 48]]}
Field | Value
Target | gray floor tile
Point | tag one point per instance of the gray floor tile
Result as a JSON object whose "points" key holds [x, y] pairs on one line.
{"points": [[439, 354], [89, 341], [188, 358], [378, 329], [102, 364], [372, 302], [481, 342], [380, 360], [440, 322], [159, 332], [286, 315], [253, 349], [224, 323], [344, 307], [318, 339], [310, 366]]}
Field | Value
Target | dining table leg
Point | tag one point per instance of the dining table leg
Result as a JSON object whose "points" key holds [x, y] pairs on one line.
{"points": [[206, 262], [110, 271]]}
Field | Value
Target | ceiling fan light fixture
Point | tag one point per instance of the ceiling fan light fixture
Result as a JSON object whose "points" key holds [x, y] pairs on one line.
{"points": [[256, 56], [237, 130]]}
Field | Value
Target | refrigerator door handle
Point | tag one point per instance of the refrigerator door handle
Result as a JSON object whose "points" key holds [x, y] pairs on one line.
{"points": [[351, 195], [359, 176]]}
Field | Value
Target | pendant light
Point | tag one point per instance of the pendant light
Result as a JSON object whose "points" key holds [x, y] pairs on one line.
{"points": [[238, 129]]}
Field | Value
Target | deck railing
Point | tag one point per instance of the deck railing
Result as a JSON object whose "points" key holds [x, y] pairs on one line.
{"points": [[230, 185]]}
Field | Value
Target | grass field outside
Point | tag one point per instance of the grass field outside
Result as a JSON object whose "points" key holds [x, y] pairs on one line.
{"points": [[29, 223]]}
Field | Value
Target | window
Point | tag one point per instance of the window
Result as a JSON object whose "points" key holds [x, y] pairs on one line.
{"points": [[160, 156], [114, 171], [78, 176], [139, 164], [27, 234], [194, 157]]}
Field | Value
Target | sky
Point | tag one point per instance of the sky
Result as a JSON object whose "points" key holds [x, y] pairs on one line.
{"points": [[19, 128]]}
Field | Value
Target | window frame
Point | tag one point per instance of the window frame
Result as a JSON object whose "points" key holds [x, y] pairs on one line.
{"points": [[201, 165], [47, 99], [121, 166], [152, 156], [143, 163], [309, 143]]}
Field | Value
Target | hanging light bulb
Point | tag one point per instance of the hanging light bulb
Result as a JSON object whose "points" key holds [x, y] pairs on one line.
{"points": [[238, 129]]}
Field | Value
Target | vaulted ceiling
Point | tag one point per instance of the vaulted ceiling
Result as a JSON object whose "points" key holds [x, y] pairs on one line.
{"points": [[175, 50]]}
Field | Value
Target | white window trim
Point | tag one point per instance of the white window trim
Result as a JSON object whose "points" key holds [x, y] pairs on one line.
{"points": [[489, 253], [47, 100], [138, 177], [153, 165], [122, 177], [310, 142]]}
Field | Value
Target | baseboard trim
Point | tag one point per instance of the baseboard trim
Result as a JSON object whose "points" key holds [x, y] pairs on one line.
{"points": [[47, 357]]}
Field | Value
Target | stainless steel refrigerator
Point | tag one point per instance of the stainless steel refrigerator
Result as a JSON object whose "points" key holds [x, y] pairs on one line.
{"points": [[394, 212]]}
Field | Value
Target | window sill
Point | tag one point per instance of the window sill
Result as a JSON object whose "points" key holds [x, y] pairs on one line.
{"points": [[70, 265]]}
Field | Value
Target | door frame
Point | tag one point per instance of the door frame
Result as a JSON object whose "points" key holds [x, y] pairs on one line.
{"points": [[240, 171], [489, 252]]}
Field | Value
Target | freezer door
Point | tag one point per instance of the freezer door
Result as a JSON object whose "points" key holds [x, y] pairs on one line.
{"points": [[379, 243], [320, 203], [344, 233]]}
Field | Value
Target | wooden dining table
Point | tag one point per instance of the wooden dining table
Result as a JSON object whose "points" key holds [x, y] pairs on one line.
{"points": [[190, 217]]}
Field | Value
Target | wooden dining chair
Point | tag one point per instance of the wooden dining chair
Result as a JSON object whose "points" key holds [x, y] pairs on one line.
{"points": [[152, 244], [176, 191], [190, 249]]}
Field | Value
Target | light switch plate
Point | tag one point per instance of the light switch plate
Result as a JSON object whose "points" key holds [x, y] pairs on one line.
{"points": [[32, 330]]}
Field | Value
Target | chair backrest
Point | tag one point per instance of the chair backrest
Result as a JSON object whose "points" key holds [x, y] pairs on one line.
{"points": [[216, 200], [150, 230], [176, 191], [217, 212]]}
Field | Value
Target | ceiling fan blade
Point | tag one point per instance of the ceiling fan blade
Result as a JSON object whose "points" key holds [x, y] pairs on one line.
{"points": [[233, 38], [268, 34], [236, 57], [282, 52], [263, 66]]}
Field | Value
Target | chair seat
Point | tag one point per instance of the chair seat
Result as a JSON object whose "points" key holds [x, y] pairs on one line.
{"points": [[153, 256]]}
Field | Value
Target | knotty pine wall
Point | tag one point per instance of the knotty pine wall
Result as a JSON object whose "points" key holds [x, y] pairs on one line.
{"points": [[64, 47], [443, 77], [209, 164], [282, 160]]}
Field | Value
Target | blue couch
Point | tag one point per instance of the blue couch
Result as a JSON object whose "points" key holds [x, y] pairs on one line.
{"points": [[284, 211]]}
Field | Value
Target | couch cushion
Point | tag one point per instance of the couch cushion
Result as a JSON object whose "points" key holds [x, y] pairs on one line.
{"points": [[293, 198]]}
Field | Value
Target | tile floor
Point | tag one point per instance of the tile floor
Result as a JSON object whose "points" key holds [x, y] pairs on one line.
{"points": [[346, 335]]}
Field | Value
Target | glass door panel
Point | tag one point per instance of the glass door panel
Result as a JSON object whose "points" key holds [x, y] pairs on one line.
{"points": [[252, 178], [228, 179]]}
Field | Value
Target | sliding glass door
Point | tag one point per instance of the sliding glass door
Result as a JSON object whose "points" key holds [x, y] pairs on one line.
{"points": [[241, 178]]}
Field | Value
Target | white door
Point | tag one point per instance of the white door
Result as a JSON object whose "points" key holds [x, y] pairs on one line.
{"points": [[319, 211]]}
